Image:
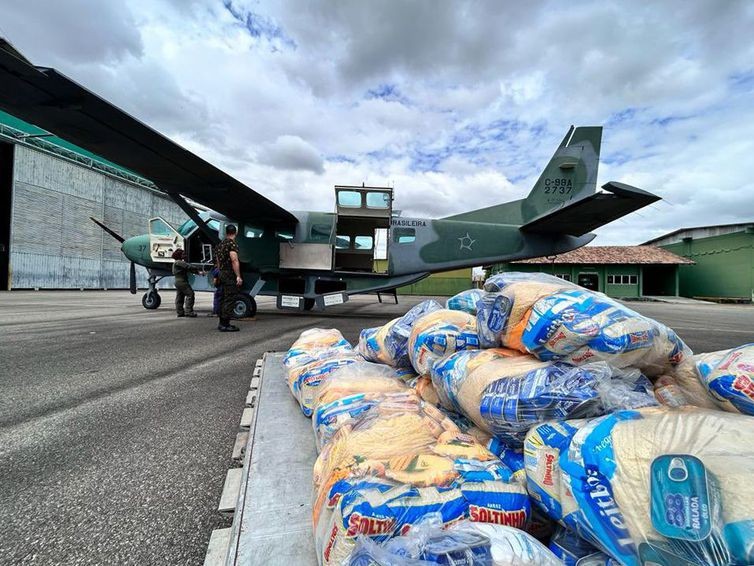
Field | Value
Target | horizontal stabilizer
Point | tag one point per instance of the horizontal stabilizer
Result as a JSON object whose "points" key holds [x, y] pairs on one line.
{"points": [[580, 217]]}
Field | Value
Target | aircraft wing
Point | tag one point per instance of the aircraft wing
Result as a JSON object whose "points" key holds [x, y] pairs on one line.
{"points": [[50, 100], [580, 217]]}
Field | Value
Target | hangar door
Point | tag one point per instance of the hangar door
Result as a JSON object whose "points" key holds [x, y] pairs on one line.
{"points": [[6, 200]]}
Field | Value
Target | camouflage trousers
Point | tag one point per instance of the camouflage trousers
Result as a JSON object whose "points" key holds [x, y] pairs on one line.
{"points": [[184, 293], [229, 294]]}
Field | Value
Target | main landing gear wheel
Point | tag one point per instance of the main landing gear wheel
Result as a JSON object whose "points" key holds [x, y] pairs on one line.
{"points": [[151, 300], [309, 304], [245, 307]]}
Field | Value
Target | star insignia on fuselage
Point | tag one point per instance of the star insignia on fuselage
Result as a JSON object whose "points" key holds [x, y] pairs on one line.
{"points": [[466, 242]]}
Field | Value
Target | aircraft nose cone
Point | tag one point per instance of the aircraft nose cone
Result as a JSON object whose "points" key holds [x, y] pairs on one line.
{"points": [[133, 248]]}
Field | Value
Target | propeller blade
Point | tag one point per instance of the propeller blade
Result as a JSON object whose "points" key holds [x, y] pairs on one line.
{"points": [[132, 279], [113, 233]]}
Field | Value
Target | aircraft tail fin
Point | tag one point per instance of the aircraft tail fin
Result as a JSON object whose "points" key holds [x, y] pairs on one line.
{"points": [[570, 175]]}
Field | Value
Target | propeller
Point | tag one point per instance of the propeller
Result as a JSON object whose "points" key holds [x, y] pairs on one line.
{"points": [[121, 239], [132, 279]]}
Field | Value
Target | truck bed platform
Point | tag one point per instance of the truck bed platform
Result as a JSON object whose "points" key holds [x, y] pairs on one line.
{"points": [[272, 522]]}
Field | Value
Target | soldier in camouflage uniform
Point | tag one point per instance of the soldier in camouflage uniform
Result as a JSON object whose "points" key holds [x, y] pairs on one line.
{"points": [[230, 277], [183, 290]]}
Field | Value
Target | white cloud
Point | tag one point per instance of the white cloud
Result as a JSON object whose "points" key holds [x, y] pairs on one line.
{"points": [[457, 105], [291, 153]]}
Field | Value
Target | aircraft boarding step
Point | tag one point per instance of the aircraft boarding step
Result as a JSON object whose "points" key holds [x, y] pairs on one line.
{"points": [[269, 496]]}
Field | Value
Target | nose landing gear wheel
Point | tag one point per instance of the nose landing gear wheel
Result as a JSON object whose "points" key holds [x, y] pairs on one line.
{"points": [[151, 300], [245, 307]]}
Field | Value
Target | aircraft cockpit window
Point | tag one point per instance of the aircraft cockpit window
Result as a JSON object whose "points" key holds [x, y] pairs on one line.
{"points": [[350, 199], [362, 242], [158, 227], [342, 242], [253, 232], [404, 235], [320, 232], [378, 200], [213, 225]]}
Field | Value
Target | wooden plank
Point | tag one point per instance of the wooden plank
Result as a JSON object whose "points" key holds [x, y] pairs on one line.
{"points": [[217, 549], [231, 488]]}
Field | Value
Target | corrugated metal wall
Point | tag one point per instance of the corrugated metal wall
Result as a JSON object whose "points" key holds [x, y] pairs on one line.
{"points": [[54, 245]]}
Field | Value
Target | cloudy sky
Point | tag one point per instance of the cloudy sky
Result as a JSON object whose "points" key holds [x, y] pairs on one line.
{"points": [[457, 105]]}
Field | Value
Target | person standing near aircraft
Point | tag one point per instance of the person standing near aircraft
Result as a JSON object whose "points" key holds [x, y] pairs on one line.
{"points": [[230, 277], [183, 290]]}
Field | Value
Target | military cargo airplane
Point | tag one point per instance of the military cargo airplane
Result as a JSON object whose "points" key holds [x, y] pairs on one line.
{"points": [[314, 259]]}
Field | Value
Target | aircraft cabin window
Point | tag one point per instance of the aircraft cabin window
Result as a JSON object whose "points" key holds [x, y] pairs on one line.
{"points": [[320, 232], [252, 231], [342, 242], [350, 199], [362, 242], [187, 227], [284, 235], [404, 235], [378, 200]]}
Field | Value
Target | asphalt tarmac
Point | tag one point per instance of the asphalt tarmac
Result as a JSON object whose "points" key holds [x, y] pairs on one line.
{"points": [[117, 424]]}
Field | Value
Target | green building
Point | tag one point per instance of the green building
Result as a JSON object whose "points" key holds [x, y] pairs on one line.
{"points": [[447, 283], [617, 271], [723, 260]]}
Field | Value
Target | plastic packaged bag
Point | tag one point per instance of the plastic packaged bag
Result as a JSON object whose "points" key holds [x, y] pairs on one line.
{"points": [[382, 471], [352, 391], [312, 357], [503, 312], [314, 344], [578, 326], [728, 375], [438, 334], [664, 486], [466, 543], [388, 344], [507, 395], [465, 301]]}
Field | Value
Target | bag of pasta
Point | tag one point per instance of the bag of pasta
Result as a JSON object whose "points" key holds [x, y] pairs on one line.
{"points": [[382, 472], [438, 334]]}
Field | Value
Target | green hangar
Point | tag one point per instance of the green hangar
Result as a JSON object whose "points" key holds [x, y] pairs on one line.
{"points": [[617, 271], [723, 260]]}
